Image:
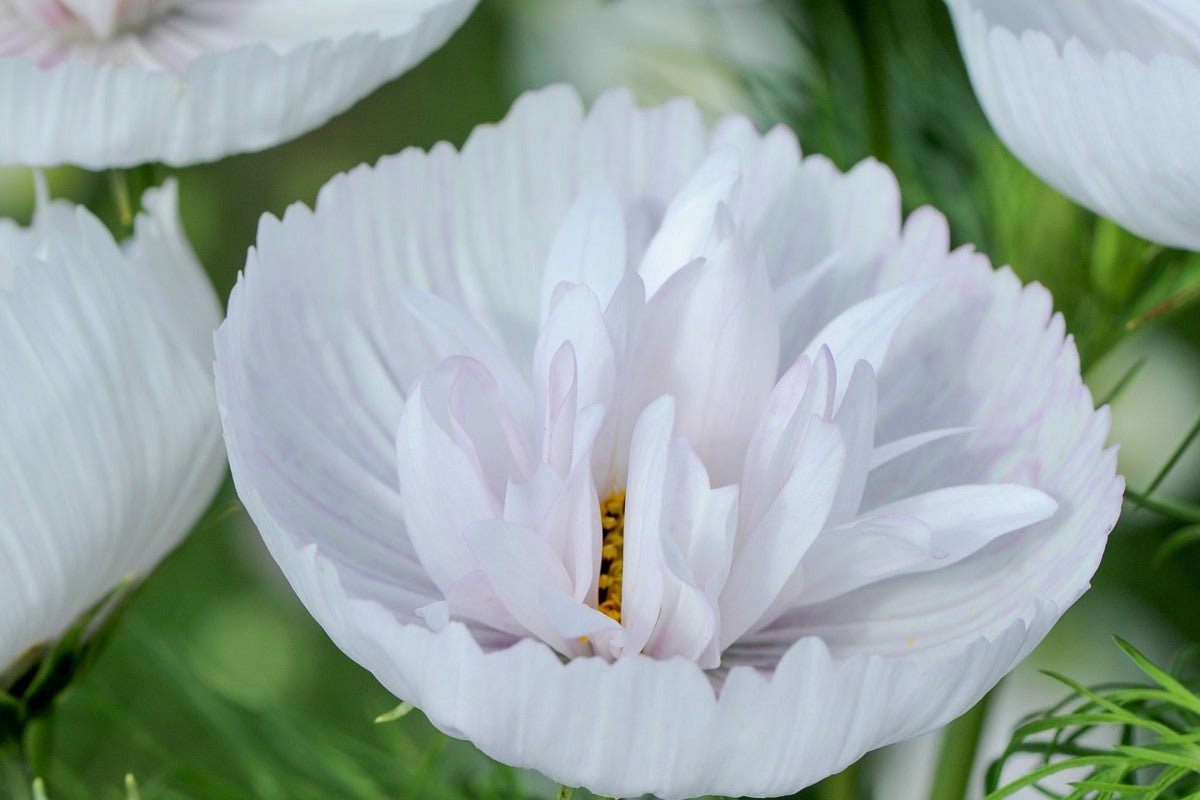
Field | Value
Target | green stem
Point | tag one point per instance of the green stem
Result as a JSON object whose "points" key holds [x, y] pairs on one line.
{"points": [[1171, 509], [959, 746], [127, 187], [843, 786], [16, 782], [565, 793], [867, 27]]}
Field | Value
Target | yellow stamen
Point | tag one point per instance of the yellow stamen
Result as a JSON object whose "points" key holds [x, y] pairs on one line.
{"points": [[612, 551]]}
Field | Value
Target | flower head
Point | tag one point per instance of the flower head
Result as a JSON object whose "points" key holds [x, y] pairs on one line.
{"points": [[111, 444], [104, 83], [659, 459], [1097, 100]]}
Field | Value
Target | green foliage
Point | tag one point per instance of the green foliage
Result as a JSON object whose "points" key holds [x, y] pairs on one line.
{"points": [[1155, 727], [29, 687]]}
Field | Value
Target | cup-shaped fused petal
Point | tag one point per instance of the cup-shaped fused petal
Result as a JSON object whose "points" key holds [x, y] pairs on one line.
{"points": [[111, 83], [110, 445], [657, 457], [1100, 100]]}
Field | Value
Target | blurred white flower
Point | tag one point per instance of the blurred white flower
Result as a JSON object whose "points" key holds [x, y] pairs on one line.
{"points": [[1100, 100], [108, 83], [659, 49], [110, 445], [485, 449]]}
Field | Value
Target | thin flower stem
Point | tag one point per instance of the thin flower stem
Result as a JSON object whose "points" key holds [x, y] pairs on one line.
{"points": [[1171, 509], [1190, 437], [118, 184], [1173, 303], [16, 782], [959, 746], [565, 793], [843, 786], [127, 186]]}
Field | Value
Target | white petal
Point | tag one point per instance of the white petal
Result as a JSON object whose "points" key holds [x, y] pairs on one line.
{"points": [[769, 554], [471, 597], [256, 79], [1101, 106], [697, 538], [564, 512], [901, 447], [872, 549], [884, 661], [855, 421], [454, 332], [644, 506], [964, 519], [687, 228], [804, 390], [573, 620], [314, 427], [161, 245], [442, 489], [710, 339], [577, 318], [520, 567], [658, 726], [111, 447], [589, 247], [864, 331]]}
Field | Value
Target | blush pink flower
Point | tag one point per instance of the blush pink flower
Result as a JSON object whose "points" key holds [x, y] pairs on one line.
{"points": [[655, 458], [113, 83]]}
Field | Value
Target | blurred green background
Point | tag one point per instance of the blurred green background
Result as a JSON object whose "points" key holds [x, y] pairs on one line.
{"points": [[217, 684]]}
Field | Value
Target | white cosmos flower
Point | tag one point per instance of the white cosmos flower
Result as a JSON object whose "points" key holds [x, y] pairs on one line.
{"points": [[110, 444], [846, 478], [104, 83], [1102, 100]]}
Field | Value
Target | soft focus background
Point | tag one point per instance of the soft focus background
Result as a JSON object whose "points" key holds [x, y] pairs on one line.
{"points": [[218, 685]]}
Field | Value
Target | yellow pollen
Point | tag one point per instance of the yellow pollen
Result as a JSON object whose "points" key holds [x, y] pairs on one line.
{"points": [[612, 552]]}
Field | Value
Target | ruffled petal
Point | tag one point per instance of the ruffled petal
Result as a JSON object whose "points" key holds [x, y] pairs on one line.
{"points": [[264, 75], [886, 659], [1101, 106], [315, 426], [658, 726]]}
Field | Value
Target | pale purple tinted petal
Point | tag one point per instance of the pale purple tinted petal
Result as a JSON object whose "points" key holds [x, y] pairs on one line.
{"points": [[768, 555], [645, 502], [589, 248]]}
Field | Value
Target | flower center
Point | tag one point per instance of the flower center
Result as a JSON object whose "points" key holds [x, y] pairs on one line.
{"points": [[612, 553]]}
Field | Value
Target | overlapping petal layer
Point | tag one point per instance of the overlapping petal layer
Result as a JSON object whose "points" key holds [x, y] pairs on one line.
{"points": [[116, 83], [111, 445], [859, 475], [1103, 106]]}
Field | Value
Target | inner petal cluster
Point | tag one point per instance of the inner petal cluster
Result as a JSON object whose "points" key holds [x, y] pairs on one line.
{"points": [[743, 486], [146, 32]]}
